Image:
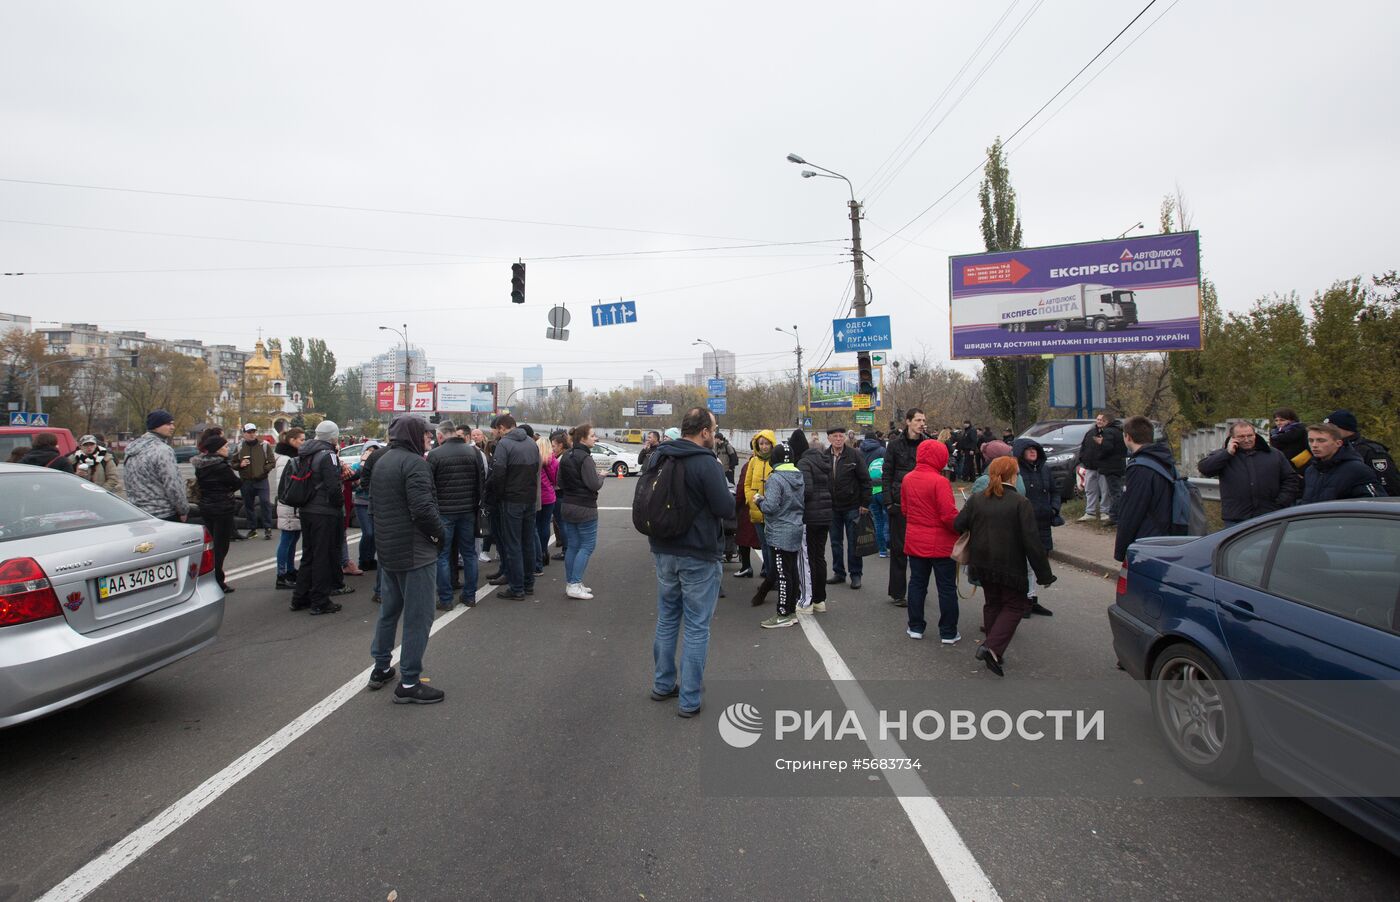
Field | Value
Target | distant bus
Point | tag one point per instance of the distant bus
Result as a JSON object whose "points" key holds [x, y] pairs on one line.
{"points": [[631, 436]]}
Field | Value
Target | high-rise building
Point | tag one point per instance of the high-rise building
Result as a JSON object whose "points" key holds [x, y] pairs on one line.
{"points": [[534, 379], [505, 387], [10, 321], [721, 361], [389, 367]]}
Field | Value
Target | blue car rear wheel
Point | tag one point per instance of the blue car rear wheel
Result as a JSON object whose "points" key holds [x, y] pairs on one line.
{"points": [[1198, 716]]}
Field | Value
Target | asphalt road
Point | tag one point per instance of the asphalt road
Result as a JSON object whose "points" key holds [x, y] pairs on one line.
{"points": [[549, 773]]}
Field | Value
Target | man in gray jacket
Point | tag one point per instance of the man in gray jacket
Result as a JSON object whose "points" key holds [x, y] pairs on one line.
{"points": [[152, 477], [408, 534]]}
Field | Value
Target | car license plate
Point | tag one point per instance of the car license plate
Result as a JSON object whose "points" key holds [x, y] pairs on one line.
{"points": [[122, 583]]}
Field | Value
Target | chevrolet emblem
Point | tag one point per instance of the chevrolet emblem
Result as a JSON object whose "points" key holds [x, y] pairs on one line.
{"points": [[144, 547]]}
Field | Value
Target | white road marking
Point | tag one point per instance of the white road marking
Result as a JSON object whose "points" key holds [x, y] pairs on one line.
{"points": [[110, 863], [264, 566], [955, 862]]}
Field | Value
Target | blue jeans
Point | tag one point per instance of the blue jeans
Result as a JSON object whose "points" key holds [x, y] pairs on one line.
{"points": [[688, 588], [543, 517], [517, 541], [843, 531], [579, 541], [287, 551], [458, 537], [882, 529], [365, 519], [408, 593], [257, 501], [944, 571]]}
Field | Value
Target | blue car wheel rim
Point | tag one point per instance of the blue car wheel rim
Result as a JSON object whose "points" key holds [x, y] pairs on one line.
{"points": [[1192, 711]]}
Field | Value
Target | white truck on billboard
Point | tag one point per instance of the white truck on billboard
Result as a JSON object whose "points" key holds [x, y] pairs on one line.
{"points": [[1072, 308]]}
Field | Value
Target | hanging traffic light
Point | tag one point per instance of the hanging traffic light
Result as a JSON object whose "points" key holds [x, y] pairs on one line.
{"points": [[571, 386], [867, 375], [517, 283]]}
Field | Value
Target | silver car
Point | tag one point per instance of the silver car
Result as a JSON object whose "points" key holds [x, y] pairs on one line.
{"points": [[614, 460], [94, 592]]}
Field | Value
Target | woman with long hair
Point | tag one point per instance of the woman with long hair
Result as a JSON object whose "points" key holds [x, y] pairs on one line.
{"points": [[579, 485], [1003, 539], [550, 449], [755, 478]]}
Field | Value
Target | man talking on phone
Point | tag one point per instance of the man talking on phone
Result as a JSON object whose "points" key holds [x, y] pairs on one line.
{"points": [[254, 460], [1254, 478]]}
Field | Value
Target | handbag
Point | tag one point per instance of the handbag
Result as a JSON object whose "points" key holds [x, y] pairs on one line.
{"points": [[866, 543], [960, 553]]}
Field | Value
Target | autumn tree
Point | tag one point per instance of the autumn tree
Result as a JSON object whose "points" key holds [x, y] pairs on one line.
{"points": [[185, 386]]}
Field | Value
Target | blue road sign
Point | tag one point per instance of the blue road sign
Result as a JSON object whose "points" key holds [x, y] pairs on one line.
{"points": [[718, 388], [23, 418], [718, 406], [618, 313], [806, 422], [864, 333]]}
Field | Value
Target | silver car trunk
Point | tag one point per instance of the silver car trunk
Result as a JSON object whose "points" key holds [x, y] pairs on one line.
{"points": [[164, 557]]}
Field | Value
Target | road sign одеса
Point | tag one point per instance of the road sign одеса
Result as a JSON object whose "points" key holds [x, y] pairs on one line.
{"points": [[861, 333], [718, 388]]}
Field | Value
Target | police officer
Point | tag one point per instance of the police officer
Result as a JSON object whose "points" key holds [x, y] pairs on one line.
{"points": [[1376, 455]]}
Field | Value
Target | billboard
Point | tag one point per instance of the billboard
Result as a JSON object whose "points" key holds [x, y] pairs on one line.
{"points": [[836, 388], [1101, 297], [390, 397], [653, 408], [423, 397], [466, 397]]}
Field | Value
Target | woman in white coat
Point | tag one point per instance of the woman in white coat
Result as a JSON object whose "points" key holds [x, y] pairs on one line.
{"points": [[287, 521]]}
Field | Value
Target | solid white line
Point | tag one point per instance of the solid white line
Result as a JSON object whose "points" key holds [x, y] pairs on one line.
{"points": [[955, 862], [269, 564], [138, 842]]}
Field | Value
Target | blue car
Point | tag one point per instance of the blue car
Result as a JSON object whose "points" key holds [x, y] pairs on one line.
{"points": [[1239, 636]]}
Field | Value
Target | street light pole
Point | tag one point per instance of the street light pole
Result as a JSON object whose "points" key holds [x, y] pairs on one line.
{"points": [[714, 355], [407, 372], [798, 351]]}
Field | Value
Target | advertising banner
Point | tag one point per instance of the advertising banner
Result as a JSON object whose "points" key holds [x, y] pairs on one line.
{"points": [[391, 397], [1102, 297], [423, 397], [466, 397], [653, 408], [838, 389]]}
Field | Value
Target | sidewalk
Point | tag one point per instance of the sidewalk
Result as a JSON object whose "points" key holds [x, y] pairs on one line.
{"points": [[1087, 546]]}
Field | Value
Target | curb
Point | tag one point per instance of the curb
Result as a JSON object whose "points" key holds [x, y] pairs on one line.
{"points": [[1095, 567]]}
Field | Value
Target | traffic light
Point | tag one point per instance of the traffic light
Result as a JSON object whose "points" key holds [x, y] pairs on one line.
{"points": [[571, 386], [867, 375], [517, 283]]}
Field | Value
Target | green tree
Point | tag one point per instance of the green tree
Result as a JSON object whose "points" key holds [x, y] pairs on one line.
{"points": [[1001, 231], [310, 369]]}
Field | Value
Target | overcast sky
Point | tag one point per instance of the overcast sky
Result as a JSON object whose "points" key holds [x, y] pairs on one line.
{"points": [[617, 128]]}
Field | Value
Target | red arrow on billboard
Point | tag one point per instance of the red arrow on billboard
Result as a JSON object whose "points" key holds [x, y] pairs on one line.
{"points": [[1011, 271]]}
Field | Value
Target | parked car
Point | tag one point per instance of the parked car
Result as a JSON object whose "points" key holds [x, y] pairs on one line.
{"points": [[615, 460], [350, 454], [12, 437], [1061, 440], [1240, 635], [186, 453], [94, 592]]}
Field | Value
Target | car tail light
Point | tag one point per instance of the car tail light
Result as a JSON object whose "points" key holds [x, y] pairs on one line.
{"points": [[25, 592], [1123, 579], [206, 560]]}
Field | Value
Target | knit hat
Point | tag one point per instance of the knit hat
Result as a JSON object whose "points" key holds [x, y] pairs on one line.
{"points": [[779, 455], [158, 418], [673, 433], [327, 431], [213, 444], [1342, 419], [992, 450]]}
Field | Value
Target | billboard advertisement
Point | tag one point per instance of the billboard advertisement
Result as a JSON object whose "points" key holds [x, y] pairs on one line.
{"points": [[836, 389], [1101, 297], [390, 397], [423, 397], [466, 397]]}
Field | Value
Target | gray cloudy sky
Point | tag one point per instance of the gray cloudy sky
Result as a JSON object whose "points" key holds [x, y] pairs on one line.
{"points": [[661, 127]]}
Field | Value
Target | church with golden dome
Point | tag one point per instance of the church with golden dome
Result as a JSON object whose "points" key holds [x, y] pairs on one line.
{"points": [[266, 369]]}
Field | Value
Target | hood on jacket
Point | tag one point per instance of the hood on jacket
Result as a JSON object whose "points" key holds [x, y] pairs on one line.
{"points": [[1345, 453], [763, 433], [1160, 452], [797, 445], [285, 449], [143, 444], [200, 461], [681, 448], [1019, 448], [314, 446], [872, 448], [931, 455], [408, 433]]}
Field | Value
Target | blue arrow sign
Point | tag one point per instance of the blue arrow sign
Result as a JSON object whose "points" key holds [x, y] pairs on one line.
{"points": [[867, 333], [718, 406], [618, 313], [718, 388]]}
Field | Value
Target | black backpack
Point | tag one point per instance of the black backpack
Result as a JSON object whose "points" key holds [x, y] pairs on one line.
{"points": [[297, 487], [661, 506]]}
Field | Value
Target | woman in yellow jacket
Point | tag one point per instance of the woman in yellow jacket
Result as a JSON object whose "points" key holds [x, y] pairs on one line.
{"points": [[755, 478]]}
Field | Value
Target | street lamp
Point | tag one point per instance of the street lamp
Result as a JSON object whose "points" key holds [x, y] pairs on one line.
{"points": [[404, 335], [796, 338], [1132, 228], [713, 353]]}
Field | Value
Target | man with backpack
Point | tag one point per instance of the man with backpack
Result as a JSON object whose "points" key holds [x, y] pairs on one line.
{"points": [[1146, 505], [312, 486], [681, 505]]}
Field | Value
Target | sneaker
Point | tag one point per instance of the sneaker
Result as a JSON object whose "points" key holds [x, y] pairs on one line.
{"points": [[884, 554], [376, 599], [508, 595], [329, 607], [284, 583], [682, 712], [953, 641], [267, 534], [913, 635], [778, 621], [1103, 518], [252, 534], [417, 694], [819, 607], [352, 570], [662, 696], [378, 679], [557, 556], [575, 590], [899, 602], [1088, 518], [484, 558], [744, 573], [343, 590]]}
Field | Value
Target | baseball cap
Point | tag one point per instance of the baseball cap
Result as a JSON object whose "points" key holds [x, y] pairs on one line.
{"points": [[250, 427], [88, 440]]}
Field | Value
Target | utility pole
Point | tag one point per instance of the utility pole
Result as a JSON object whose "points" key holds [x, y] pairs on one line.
{"points": [[863, 358]]}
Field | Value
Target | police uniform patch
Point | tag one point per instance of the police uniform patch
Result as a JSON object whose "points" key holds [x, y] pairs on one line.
{"points": [[1379, 463]]}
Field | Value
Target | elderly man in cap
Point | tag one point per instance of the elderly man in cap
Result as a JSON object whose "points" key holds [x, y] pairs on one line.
{"points": [[95, 463], [254, 461], [153, 480], [322, 524]]}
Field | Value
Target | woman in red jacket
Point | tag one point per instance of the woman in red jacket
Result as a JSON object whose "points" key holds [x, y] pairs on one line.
{"points": [[927, 502]]}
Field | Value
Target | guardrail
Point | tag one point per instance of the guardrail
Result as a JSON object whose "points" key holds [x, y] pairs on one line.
{"points": [[1209, 488]]}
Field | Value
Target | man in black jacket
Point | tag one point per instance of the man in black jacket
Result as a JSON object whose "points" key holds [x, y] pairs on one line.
{"points": [[408, 535], [1112, 461], [816, 517], [322, 524], [514, 485], [1145, 508], [966, 443], [1337, 471], [899, 462], [1254, 478], [1373, 453], [850, 497], [459, 480]]}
